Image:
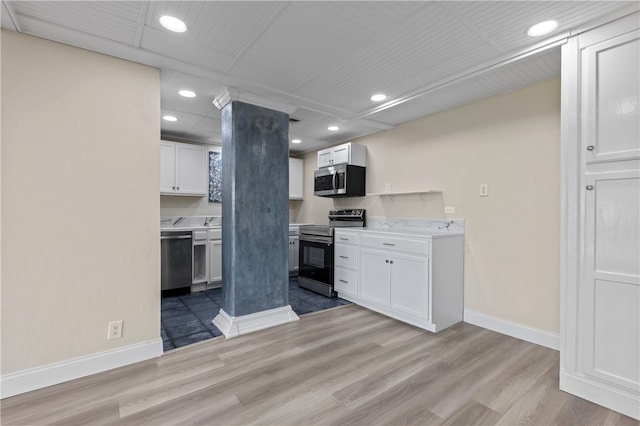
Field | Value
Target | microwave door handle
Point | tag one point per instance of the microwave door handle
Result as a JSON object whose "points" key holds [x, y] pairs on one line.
{"points": [[334, 183]]}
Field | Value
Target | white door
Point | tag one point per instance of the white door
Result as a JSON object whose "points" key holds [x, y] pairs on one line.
{"points": [[611, 283], [215, 260], [341, 154], [409, 285], [167, 167], [296, 179], [325, 158], [191, 169], [600, 347], [374, 276]]}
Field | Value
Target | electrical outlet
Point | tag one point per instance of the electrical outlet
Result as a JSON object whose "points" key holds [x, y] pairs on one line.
{"points": [[484, 190], [115, 330], [449, 209], [387, 187]]}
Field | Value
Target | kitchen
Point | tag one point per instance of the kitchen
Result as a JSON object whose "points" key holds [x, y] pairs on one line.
{"points": [[509, 141]]}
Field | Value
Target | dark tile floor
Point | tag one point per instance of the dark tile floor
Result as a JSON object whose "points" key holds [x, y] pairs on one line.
{"points": [[186, 318]]}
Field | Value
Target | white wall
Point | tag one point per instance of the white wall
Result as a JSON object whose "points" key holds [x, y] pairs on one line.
{"points": [[510, 142], [80, 209]]}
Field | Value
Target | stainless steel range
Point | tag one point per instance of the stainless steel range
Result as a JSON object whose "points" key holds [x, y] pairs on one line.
{"points": [[316, 250]]}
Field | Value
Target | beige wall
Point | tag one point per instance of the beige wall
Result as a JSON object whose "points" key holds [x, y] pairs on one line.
{"points": [[510, 142], [80, 209]]}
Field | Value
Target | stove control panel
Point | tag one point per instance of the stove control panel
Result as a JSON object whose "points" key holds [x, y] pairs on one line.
{"points": [[348, 214]]}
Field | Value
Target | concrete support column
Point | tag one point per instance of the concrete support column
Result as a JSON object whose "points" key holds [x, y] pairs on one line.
{"points": [[255, 219]]}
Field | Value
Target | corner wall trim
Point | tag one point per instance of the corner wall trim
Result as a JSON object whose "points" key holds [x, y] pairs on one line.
{"points": [[52, 374], [533, 335], [236, 326]]}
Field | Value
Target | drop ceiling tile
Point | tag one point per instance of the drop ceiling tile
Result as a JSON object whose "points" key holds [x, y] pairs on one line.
{"points": [[179, 46], [172, 81], [429, 46], [508, 78], [309, 37], [112, 20], [506, 23]]}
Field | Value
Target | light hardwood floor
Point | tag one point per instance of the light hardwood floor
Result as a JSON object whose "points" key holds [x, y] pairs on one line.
{"points": [[344, 366]]}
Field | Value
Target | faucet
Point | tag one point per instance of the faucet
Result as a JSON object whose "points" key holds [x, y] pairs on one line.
{"points": [[446, 225], [180, 219]]}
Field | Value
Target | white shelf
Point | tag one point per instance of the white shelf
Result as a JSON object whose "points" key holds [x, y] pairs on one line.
{"points": [[426, 191]]}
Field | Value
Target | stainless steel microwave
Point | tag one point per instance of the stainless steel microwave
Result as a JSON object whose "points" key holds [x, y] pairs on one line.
{"points": [[342, 180]]}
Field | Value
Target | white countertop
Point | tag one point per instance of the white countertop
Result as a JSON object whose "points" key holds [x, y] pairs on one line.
{"points": [[407, 232]]}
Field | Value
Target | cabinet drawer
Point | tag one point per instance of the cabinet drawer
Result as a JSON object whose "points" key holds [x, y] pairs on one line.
{"points": [[345, 281], [395, 244], [346, 256], [199, 235], [346, 237], [215, 234]]}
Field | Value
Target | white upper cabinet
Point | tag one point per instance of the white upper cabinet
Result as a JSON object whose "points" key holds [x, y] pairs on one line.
{"points": [[348, 153], [296, 178], [183, 169]]}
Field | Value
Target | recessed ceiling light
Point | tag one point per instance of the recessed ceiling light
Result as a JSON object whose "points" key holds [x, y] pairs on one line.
{"points": [[296, 141], [542, 28], [333, 128], [378, 97], [173, 24], [169, 118], [187, 93]]}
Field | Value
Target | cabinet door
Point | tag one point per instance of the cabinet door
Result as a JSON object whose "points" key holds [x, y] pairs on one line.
{"points": [[341, 154], [325, 158], [296, 179], [215, 260], [167, 167], [374, 276], [409, 284], [191, 169], [294, 261]]}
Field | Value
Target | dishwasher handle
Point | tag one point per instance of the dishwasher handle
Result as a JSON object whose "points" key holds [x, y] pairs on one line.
{"points": [[175, 237]]}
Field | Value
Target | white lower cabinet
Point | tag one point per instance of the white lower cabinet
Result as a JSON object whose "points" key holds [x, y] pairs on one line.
{"points": [[415, 279], [374, 276], [408, 284], [215, 258], [294, 260], [345, 271]]}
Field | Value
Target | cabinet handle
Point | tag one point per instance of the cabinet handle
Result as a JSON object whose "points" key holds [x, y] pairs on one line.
{"points": [[391, 262], [589, 187], [386, 261], [388, 244], [344, 239], [590, 148], [344, 257], [343, 281], [177, 188], [173, 187]]}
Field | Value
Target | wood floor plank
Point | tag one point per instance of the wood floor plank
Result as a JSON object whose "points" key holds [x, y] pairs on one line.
{"points": [[346, 366]]}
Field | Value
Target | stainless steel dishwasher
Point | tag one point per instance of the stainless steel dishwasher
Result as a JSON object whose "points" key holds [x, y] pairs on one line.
{"points": [[176, 253]]}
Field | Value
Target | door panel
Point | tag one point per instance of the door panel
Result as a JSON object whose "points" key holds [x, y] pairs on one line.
{"points": [[374, 276], [611, 286], [612, 122], [409, 290]]}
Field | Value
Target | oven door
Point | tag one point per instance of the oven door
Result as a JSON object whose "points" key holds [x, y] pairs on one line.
{"points": [[316, 259]]}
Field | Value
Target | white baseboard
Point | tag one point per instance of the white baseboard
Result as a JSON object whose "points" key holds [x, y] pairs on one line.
{"points": [[236, 326], [608, 396], [534, 335], [52, 374]]}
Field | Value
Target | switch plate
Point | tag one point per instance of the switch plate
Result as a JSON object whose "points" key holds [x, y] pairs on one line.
{"points": [[387, 187], [115, 330], [484, 190], [449, 209]]}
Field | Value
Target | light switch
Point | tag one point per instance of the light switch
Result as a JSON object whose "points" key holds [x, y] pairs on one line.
{"points": [[449, 209], [484, 190]]}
